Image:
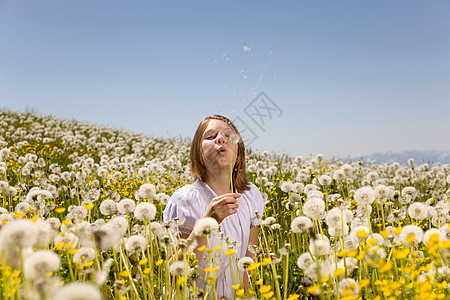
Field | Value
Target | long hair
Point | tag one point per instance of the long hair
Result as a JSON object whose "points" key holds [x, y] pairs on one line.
{"points": [[197, 165]]}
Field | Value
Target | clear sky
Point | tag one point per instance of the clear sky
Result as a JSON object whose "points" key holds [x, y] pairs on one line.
{"points": [[347, 77]]}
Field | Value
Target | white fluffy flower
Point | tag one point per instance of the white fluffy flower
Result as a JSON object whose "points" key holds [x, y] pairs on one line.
{"points": [[77, 291], [324, 180], [135, 243], [298, 187], [301, 224], [382, 192], [287, 186], [335, 218], [108, 207], [319, 270], [304, 261], [245, 262], [417, 210], [39, 263], [313, 208], [411, 231], [339, 175], [435, 233], [319, 247], [205, 226], [347, 169], [147, 191], [84, 254], [348, 284], [126, 206], [364, 196], [409, 191], [145, 211], [177, 268]]}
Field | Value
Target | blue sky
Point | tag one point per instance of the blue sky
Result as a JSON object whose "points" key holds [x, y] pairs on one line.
{"points": [[350, 77]]}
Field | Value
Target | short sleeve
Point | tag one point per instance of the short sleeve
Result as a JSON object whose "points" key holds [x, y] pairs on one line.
{"points": [[180, 205], [256, 205]]}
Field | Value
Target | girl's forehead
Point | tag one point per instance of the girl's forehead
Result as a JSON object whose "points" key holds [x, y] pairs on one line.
{"points": [[217, 125]]}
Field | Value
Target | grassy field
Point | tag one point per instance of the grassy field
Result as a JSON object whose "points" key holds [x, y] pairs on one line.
{"points": [[81, 218]]}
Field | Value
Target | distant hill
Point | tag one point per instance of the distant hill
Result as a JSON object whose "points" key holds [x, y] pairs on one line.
{"points": [[420, 157]]}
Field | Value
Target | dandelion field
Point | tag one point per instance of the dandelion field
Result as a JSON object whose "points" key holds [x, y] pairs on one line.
{"points": [[81, 218]]}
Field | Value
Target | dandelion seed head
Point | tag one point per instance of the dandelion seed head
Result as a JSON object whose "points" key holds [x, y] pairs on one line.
{"points": [[205, 226], [126, 206], [411, 230], [145, 211], [244, 263], [135, 243], [301, 224], [313, 208], [325, 180], [348, 284], [177, 268], [147, 191], [418, 211], [84, 254], [319, 247], [304, 261], [40, 263], [364, 196], [77, 291], [317, 271], [287, 186]]}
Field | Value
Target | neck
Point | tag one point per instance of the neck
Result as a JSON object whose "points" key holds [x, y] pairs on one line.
{"points": [[219, 181]]}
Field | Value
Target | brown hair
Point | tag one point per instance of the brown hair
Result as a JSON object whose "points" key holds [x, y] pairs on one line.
{"points": [[197, 165]]}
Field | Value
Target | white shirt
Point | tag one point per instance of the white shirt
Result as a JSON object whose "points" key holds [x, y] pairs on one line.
{"points": [[190, 202]]}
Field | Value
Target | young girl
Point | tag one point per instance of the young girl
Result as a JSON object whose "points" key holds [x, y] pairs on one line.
{"points": [[214, 150]]}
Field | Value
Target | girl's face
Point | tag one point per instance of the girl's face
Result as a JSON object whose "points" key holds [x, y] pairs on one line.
{"points": [[216, 145]]}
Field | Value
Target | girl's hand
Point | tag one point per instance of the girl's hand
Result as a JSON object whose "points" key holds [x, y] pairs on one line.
{"points": [[222, 206]]}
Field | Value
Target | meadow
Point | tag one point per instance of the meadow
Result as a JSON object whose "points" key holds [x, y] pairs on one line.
{"points": [[81, 218]]}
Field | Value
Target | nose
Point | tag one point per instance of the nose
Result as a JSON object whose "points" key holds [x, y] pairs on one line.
{"points": [[220, 139]]}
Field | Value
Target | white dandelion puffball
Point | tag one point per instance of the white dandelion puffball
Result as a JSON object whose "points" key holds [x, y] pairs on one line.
{"points": [[339, 175], [77, 291], [145, 211], [324, 180], [411, 230], [319, 247], [177, 268], [135, 243], [364, 196], [347, 169], [301, 224], [319, 270], [348, 284], [409, 191], [417, 210], [245, 262], [18, 234], [147, 191], [313, 208], [108, 207], [287, 186], [84, 254], [119, 225], [429, 233], [126, 206], [335, 218], [298, 187], [39, 263], [304, 261], [205, 226], [382, 192]]}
